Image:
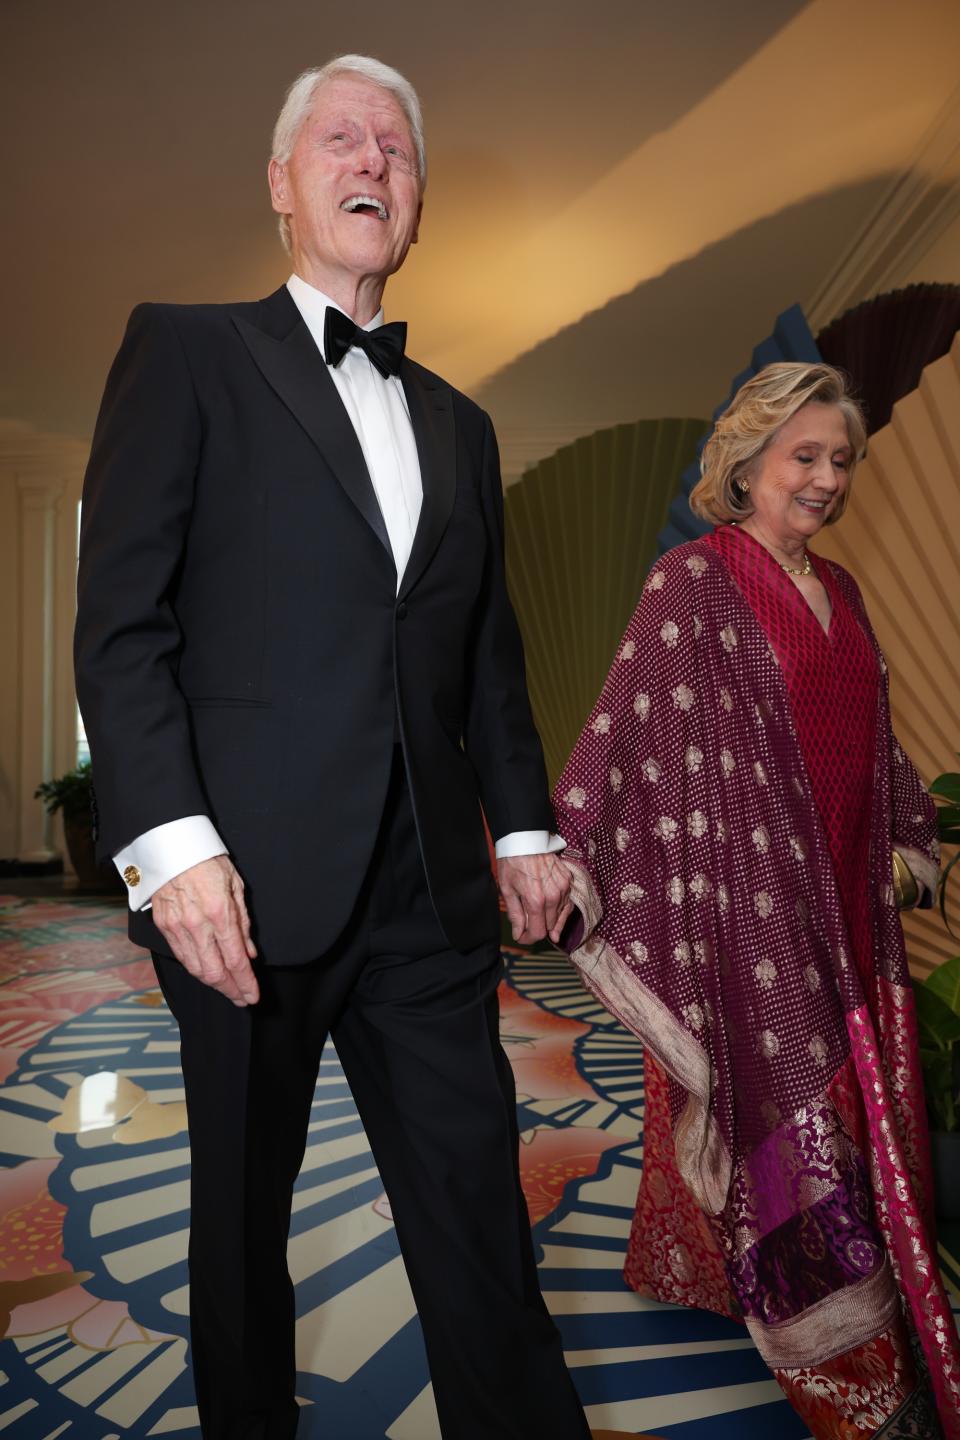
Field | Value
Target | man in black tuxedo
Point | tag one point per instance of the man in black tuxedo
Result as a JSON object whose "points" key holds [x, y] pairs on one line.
{"points": [[301, 676]]}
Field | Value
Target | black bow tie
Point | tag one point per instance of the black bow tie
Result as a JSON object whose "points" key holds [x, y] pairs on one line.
{"points": [[383, 346]]}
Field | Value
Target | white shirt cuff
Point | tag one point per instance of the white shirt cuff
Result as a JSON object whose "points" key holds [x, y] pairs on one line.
{"points": [[529, 842], [165, 851]]}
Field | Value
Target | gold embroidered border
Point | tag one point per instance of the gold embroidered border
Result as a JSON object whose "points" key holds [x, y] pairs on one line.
{"points": [[856, 1314], [702, 1156]]}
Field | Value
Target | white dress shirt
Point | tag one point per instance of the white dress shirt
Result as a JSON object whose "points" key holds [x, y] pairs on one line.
{"points": [[378, 411]]}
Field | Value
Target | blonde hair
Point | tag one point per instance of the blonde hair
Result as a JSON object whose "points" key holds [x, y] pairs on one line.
{"points": [[299, 102], [758, 410]]}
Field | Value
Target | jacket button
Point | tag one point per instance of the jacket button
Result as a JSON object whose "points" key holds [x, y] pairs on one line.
{"points": [[402, 610]]}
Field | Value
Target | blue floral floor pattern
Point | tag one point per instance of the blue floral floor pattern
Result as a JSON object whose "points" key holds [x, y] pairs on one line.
{"points": [[638, 1365]]}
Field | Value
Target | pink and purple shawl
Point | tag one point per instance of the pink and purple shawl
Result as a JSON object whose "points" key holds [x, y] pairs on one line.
{"points": [[731, 807]]}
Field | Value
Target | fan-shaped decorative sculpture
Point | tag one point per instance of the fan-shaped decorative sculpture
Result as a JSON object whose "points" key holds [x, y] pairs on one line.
{"points": [[581, 533], [885, 343], [900, 538], [791, 340]]}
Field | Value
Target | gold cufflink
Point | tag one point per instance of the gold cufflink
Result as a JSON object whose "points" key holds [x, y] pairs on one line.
{"points": [[132, 876]]}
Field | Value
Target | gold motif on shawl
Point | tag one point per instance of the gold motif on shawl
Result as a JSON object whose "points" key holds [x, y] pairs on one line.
{"points": [[694, 1016], [768, 1044], [818, 1049], [766, 973]]}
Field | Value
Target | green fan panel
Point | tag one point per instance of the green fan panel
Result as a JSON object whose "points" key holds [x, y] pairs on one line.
{"points": [[581, 534]]}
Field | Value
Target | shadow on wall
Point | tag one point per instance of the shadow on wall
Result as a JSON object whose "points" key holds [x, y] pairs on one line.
{"points": [[670, 346]]}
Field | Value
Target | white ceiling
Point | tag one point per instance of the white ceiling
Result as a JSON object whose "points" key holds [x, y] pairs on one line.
{"points": [[684, 170]]}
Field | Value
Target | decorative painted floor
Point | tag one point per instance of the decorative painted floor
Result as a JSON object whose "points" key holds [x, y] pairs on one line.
{"points": [[93, 1218]]}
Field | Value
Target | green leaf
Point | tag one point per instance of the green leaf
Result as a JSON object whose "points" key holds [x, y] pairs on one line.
{"points": [[947, 786], [944, 982], [939, 1087], [947, 816], [943, 892], [939, 1023]]}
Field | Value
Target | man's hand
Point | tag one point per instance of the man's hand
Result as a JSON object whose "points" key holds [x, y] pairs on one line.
{"points": [[536, 892], [202, 915]]}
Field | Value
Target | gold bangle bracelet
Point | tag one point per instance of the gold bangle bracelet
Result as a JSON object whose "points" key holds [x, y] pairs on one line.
{"points": [[905, 888]]}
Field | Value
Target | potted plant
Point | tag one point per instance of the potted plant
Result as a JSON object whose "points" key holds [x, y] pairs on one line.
{"points": [[938, 1018], [72, 794]]}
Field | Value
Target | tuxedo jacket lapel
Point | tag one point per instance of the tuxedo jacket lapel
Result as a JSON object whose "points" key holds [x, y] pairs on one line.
{"points": [[285, 354], [431, 414]]}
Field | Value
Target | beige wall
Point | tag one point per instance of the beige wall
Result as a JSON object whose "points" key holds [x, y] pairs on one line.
{"points": [[900, 538], [40, 478]]}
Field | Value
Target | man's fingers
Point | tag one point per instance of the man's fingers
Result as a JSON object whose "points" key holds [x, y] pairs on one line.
{"points": [[534, 903], [552, 906], [234, 954], [515, 913], [241, 901], [203, 916], [566, 910]]}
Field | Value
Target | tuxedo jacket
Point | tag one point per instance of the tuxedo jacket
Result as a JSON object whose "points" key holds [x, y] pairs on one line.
{"points": [[241, 648]]}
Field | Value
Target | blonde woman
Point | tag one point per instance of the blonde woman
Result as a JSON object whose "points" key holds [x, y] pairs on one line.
{"points": [[742, 825]]}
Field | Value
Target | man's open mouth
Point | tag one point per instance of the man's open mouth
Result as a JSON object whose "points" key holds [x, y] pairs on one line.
{"points": [[365, 205]]}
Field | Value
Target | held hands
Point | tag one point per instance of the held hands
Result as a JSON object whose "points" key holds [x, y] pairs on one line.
{"points": [[202, 915], [536, 892]]}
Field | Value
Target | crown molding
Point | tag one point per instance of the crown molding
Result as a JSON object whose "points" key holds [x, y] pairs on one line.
{"points": [[35, 457]]}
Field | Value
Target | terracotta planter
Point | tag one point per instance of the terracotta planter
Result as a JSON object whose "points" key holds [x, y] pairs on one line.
{"points": [[946, 1174], [90, 875]]}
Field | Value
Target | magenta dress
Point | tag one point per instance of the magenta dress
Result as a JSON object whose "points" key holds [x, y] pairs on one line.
{"points": [[732, 806]]}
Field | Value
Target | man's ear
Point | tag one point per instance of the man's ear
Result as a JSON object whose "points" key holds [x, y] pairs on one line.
{"points": [[416, 228], [277, 180]]}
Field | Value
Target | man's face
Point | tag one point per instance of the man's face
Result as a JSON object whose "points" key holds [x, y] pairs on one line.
{"points": [[351, 186]]}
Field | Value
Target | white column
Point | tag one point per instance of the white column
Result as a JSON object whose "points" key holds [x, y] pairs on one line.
{"points": [[38, 589]]}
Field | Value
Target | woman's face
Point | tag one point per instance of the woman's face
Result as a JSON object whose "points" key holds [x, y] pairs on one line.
{"points": [[801, 476]]}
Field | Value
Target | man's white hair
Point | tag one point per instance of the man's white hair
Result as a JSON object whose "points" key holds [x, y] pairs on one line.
{"points": [[299, 102]]}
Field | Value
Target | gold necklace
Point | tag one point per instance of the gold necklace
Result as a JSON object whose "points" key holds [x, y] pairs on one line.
{"points": [[805, 569]]}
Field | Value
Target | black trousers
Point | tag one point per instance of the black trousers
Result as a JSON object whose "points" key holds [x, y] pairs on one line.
{"points": [[416, 1029]]}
